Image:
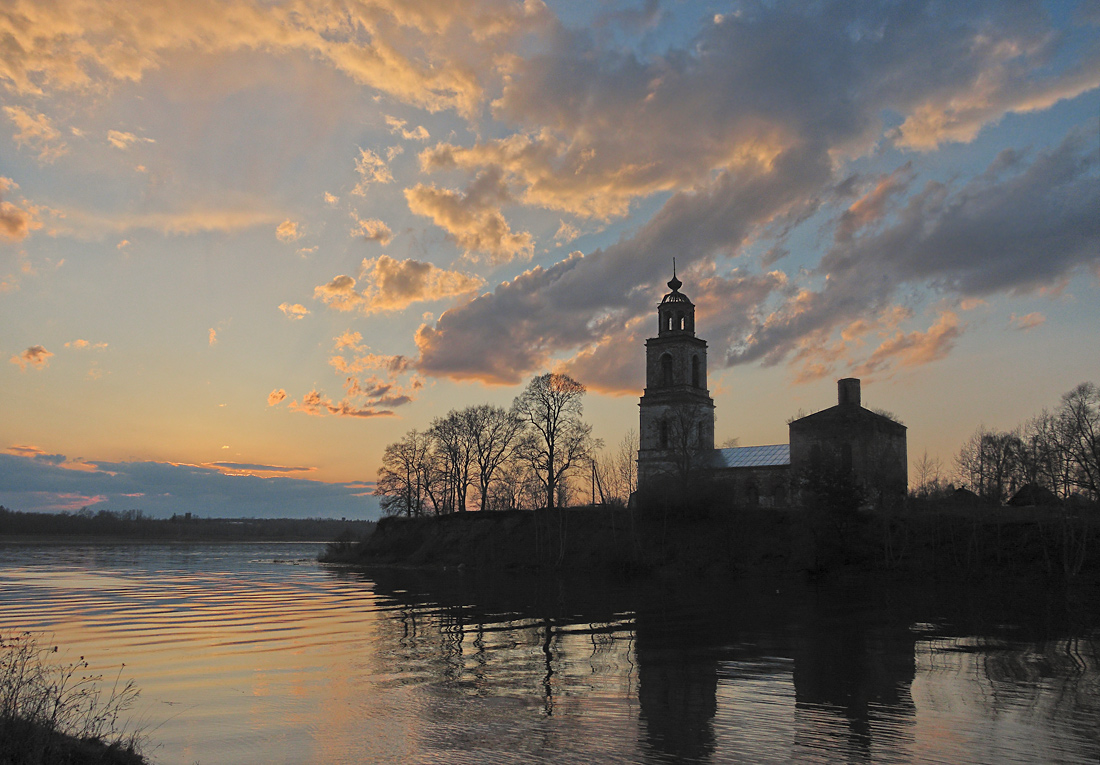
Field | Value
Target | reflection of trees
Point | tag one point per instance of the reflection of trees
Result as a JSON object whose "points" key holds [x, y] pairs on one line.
{"points": [[675, 673]]}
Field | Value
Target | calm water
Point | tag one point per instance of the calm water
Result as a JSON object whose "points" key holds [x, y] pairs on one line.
{"points": [[255, 653]]}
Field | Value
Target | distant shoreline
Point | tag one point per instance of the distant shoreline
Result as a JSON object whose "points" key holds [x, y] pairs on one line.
{"points": [[133, 527]]}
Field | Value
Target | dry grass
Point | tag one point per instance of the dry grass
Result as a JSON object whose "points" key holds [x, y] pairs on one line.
{"points": [[52, 711]]}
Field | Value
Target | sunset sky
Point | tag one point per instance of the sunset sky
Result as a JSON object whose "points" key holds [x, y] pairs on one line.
{"points": [[245, 244]]}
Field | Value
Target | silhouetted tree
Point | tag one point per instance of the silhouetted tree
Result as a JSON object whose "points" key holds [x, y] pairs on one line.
{"points": [[453, 438], [1079, 416], [988, 464], [927, 474], [493, 434], [556, 437], [618, 470], [402, 478]]}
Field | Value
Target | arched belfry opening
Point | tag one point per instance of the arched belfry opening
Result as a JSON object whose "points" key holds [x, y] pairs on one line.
{"points": [[676, 395], [666, 370]]}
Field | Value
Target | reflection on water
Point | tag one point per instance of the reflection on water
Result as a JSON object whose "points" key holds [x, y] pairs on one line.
{"points": [[254, 653]]}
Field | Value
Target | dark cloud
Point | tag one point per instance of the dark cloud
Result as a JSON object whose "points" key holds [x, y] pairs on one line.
{"points": [[162, 489], [747, 128], [504, 335], [1015, 228], [33, 452]]}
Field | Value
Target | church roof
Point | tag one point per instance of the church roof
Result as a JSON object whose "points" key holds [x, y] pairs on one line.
{"points": [[775, 455]]}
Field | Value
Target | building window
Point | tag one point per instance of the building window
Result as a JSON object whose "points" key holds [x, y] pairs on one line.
{"points": [[666, 370], [663, 439], [695, 371]]}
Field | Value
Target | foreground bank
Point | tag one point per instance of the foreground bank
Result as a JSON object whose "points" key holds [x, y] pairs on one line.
{"points": [[944, 541]]}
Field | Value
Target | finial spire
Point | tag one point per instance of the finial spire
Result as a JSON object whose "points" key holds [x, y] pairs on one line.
{"points": [[674, 284]]}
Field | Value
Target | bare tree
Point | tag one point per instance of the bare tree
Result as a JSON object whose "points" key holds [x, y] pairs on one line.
{"points": [[1079, 416], [492, 434], [626, 463], [616, 472], [928, 472], [403, 476], [451, 435], [988, 463], [557, 438]]}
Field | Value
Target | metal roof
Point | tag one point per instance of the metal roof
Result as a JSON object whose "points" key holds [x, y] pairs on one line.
{"points": [[774, 455]]}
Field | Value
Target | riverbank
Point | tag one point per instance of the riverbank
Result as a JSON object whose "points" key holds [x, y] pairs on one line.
{"points": [[938, 541], [25, 743]]}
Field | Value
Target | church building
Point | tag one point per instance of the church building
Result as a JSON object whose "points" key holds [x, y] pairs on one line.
{"points": [[676, 430]]}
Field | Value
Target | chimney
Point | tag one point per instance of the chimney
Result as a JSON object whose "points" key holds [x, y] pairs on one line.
{"points": [[848, 391]]}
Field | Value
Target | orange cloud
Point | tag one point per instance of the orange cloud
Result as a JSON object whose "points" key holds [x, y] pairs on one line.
{"points": [[953, 116], [916, 348], [430, 55], [473, 220], [371, 169], [82, 344], [16, 222], [36, 132], [349, 339], [213, 337], [123, 140], [419, 133], [566, 233], [372, 229], [871, 207], [317, 404], [612, 365], [275, 396], [287, 231], [393, 285], [1027, 322], [36, 356], [369, 395], [294, 312]]}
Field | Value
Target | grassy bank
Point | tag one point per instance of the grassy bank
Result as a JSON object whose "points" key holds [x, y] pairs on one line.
{"points": [[53, 713], [938, 541]]}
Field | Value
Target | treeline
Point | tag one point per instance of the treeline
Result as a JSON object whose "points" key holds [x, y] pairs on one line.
{"points": [[135, 525], [1054, 455], [537, 453]]}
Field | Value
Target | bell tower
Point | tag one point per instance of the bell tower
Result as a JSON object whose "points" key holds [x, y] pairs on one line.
{"points": [[676, 427]]}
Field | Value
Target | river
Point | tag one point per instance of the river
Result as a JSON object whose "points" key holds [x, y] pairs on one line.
{"points": [[257, 654]]}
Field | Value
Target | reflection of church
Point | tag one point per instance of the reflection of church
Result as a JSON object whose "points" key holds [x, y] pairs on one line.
{"points": [[676, 428]]}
